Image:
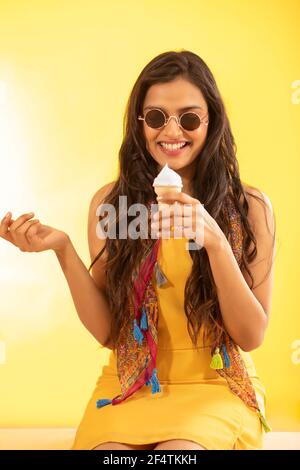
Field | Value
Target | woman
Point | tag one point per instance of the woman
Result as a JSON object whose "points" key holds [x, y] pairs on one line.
{"points": [[183, 320]]}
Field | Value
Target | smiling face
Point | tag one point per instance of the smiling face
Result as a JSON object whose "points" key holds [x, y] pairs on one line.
{"points": [[174, 98]]}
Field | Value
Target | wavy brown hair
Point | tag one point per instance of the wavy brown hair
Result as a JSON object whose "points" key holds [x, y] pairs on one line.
{"points": [[216, 176]]}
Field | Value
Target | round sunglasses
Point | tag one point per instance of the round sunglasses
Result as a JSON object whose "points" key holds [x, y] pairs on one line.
{"points": [[156, 119]]}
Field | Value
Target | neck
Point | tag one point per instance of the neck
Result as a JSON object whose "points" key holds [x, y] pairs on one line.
{"points": [[186, 177]]}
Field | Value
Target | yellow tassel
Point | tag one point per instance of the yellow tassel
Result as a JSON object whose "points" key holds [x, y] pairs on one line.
{"points": [[266, 426], [216, 362]]}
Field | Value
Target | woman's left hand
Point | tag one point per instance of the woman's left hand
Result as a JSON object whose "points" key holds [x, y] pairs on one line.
{"points": [[189, 219]]}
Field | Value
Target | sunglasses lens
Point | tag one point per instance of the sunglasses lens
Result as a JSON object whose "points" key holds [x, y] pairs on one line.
{"points": [[155, 118], [190, 121]]}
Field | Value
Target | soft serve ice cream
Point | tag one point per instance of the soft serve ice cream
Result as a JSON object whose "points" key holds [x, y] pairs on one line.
{"points": [[167, 180]]}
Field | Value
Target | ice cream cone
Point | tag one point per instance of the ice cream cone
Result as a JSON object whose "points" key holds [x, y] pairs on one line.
{"points": [[163, 190], [167, 181]]}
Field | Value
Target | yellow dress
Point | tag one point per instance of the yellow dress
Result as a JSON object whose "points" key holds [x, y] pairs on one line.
{"points": [[195, 403]]}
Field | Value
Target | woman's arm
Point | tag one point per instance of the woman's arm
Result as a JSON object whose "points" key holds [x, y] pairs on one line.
{"points": [[89, 290], [245, 312], [90, 302]]}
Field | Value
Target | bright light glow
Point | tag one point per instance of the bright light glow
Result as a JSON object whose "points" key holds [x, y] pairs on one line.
{"points": [[3, 92], [2, 353]]}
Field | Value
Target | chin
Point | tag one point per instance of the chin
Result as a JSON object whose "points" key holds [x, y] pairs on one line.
{"points": [[176, 163]]}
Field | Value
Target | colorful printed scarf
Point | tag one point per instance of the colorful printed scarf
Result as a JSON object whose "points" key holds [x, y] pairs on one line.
{"points": [[137, 344]]}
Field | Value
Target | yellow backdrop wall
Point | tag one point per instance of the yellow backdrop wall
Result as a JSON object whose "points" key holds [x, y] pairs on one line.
{"points": [[66, 70]]}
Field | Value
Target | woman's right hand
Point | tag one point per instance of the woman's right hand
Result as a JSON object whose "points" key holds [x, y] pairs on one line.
{"points": [[31, 235]]}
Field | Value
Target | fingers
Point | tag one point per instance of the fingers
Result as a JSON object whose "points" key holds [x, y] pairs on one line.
{"points": [[29, 230], [176, 220], [30, 236], [176, 215], [181, 197], [5, 223], [177, 209], [21, 237], [20, 220], [20, 231], [5, 220]]}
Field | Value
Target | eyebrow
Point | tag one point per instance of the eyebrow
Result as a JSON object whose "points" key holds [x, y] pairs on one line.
{"points": [[186, 108]]}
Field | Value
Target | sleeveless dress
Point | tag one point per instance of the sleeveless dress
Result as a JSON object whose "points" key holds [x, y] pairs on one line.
{"points": [[195, 403]]}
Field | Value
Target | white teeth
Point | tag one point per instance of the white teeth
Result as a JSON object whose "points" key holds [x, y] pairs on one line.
{"points": [[172, 146]]}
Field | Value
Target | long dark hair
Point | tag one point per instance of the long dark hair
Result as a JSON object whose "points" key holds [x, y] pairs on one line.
{"points": [[216, 176]]}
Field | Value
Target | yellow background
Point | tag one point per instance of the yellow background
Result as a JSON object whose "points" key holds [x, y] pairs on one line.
{"points": [[66, 70]]}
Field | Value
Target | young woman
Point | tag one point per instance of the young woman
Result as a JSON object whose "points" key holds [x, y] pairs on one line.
{"points": [[179, 319]]}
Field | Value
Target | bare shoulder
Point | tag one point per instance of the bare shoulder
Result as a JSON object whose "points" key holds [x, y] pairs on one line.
{"points": [[96, 243], [260, 213], [101, 193], [262, 221]]}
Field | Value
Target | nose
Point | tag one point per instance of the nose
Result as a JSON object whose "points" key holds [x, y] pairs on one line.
{"points": [[172, 128]]}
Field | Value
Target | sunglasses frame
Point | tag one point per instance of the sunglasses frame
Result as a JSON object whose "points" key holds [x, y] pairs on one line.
{"points": [[178, 119]]}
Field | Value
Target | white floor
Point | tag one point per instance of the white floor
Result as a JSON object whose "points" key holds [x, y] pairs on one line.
{"points": [[62, 438]]}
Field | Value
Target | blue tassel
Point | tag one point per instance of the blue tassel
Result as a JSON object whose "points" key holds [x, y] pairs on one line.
{"points": [[226, 357], [147, 381], [155, 382], [103, 402], [144, 323], [159, 275], [138, 335]]}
